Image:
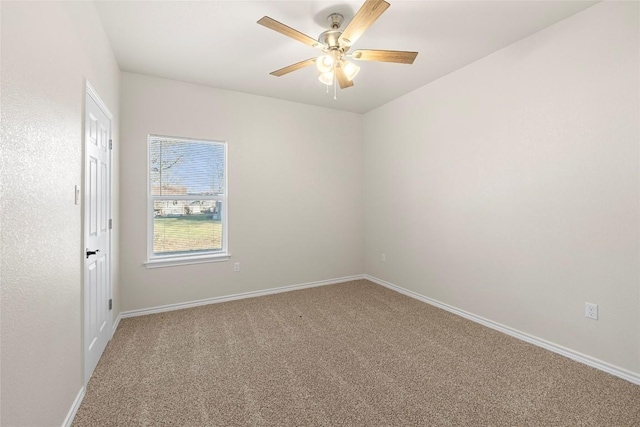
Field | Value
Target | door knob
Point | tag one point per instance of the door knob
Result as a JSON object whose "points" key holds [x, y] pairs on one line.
{"points": [[89, 253]]}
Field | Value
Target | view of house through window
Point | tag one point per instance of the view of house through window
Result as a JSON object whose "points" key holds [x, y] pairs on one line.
{"points": [[187, 197]]}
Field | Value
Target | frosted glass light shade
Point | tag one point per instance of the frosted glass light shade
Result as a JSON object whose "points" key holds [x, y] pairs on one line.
{"points": [[324, 63], [326, 78], [351, 70]]}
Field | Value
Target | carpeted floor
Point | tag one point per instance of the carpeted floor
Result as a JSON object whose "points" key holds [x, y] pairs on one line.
{"points": [[352, 354]]}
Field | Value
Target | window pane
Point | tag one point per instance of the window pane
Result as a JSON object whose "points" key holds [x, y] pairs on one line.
{"points": [[186, 226], [186, 167]]}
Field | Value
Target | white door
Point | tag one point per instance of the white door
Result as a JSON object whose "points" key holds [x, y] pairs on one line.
{"points": [[96, 254]]}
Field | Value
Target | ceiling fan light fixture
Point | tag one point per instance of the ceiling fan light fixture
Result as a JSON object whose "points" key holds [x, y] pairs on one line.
{"points": [[324, 63], [326, 78], [351, 70]]}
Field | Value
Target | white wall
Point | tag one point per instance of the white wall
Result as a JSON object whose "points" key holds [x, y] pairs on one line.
{"points": [[510, 188], [48, 49], [295, 190]]}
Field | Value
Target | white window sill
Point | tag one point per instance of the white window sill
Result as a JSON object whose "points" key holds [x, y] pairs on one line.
{"points": [[186, 260]]}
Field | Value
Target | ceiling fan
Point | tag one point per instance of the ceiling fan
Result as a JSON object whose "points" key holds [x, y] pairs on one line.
{"points": [[335, 44]]}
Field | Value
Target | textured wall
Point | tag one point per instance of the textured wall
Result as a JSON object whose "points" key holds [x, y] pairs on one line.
{"points": [[295, 190], [510, 188], [48, 49]]}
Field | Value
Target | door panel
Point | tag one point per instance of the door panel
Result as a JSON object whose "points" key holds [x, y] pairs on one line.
{"points": [[97, 285], [104, 176], [93, 199]]}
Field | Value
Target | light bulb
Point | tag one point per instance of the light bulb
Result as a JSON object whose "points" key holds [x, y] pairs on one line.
{"points": [[324, 63], [351, 70], [326, 78]]}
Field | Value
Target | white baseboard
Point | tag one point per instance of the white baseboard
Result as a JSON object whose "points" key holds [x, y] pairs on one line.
{"points": [[115, 324], [625, 374], [74, 408], [253, 294]]}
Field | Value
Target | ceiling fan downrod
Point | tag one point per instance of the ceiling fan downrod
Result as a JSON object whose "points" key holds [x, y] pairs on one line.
{"points": [[335, 20]]}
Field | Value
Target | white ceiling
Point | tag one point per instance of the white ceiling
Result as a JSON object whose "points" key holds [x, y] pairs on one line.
{"points": [[219, 44]]}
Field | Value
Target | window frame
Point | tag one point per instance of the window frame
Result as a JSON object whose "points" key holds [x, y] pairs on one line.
{"points": [[154, 261]]}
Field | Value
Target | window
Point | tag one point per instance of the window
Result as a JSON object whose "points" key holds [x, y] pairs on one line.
{"points": [[187, 200]]}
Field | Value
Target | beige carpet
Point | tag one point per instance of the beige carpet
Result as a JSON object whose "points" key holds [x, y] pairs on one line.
{"points": [[352, 354]]}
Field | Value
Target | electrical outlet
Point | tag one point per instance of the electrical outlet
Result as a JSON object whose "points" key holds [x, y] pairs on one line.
{"points": [[236, 266], [384, 258], [591, 310]]}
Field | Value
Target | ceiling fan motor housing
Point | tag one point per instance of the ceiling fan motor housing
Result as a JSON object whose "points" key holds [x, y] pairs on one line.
{"points": [[330, 38]]}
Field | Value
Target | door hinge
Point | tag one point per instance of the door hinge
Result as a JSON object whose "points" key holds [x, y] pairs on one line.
{"points": [[110, 223], [110, 304], [111, 144]]}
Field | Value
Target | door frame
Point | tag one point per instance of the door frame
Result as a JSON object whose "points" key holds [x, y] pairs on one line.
{"points": [[90, 91]]}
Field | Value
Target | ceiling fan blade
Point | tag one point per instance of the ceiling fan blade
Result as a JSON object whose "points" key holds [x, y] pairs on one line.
{"points": [[398, 56], [343, 81], [293, 67], [367, 15], [289, 32]]}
